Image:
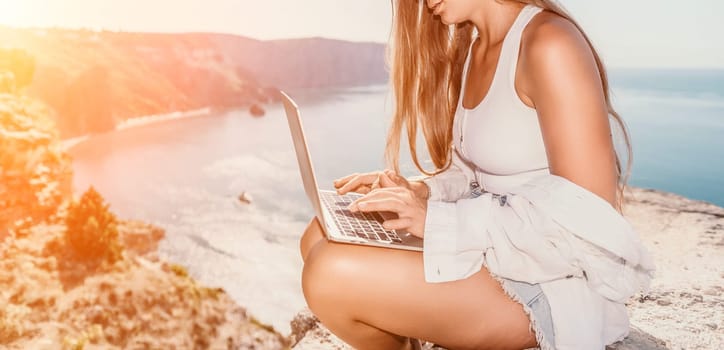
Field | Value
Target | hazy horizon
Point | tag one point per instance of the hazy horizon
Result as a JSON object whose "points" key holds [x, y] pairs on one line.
{"points": [[100, 30], [641, 34]]}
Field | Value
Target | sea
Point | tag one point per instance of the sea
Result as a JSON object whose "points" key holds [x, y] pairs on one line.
{"points": [[186, 175]]}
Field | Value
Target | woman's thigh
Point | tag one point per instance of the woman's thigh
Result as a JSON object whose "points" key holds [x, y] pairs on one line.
{"points": [[385, 288]]}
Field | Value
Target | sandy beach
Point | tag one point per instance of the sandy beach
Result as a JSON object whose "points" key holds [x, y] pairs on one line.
{"points": [[134, 122]]}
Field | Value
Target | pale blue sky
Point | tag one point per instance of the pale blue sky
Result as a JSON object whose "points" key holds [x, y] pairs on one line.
{"points": [[628, 33]]}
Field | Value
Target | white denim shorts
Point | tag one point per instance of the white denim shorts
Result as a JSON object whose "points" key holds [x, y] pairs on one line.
{"points": [[536, 306], [532, 298]]}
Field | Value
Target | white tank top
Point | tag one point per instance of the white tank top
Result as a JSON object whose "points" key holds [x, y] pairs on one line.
{"points": [[501, 137]]}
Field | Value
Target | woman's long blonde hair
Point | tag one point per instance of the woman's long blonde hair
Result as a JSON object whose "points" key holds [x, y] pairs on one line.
{"points": [[426, 59]]}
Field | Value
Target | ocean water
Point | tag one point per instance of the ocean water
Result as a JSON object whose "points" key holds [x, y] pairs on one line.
{"points": [[676, 121], [185, 175]]}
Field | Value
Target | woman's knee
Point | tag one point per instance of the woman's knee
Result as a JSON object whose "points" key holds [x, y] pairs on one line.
{"points": [[312, 235], [326, 276]]}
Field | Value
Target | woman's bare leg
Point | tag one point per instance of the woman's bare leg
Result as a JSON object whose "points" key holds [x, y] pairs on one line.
{"points": [[375, 298], [313, 234]]}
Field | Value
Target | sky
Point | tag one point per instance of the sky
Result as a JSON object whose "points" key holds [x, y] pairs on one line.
{"points": [[627, 33]]}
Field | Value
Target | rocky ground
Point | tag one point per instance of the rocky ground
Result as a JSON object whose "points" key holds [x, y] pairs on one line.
{"points": [[686, 304], [685, 307], [48, 301]]}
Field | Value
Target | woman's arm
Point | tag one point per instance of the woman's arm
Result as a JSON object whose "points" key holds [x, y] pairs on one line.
{"points": [[562, 80]]}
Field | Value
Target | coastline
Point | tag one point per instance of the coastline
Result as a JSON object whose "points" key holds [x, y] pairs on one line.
{"points": [[155, 118], [139, 121]]}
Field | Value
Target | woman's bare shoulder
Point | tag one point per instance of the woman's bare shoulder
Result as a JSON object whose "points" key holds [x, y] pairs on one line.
{"points": [[550, 32], [552, 46]]}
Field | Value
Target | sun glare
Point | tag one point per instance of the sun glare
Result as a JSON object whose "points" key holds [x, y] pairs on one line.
{"points": [[15, 13]]}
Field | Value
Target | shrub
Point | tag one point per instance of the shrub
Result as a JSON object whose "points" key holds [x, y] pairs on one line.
{"points": [[91, 229], [179, 270]]}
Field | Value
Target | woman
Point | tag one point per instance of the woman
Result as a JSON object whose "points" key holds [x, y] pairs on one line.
{"points": [[526, 96]]}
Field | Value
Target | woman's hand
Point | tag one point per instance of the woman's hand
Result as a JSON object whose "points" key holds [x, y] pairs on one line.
{"points": [[364, 183], [409, 207]]}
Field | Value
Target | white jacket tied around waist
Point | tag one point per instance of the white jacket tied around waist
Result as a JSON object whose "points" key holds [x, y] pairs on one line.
{"points": [[587, 258]]}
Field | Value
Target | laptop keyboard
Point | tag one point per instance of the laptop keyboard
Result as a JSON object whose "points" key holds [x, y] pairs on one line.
{"points": [[367, 225]]}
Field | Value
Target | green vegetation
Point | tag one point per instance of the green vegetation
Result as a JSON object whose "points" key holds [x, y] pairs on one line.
{"points": [[20, 63], [179, 270], [35, 175], [91, 229]]}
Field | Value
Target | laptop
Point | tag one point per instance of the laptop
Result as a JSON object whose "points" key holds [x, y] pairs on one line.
{"points": [[339, 223]]}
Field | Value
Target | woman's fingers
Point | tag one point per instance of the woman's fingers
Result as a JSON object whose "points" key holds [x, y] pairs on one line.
{"points": [[391, 203], [364, 189], [377, 193], [343, 180], [386, 181], [402, 201], [397, 224], [364, 182], [376, 183], [348, 184], [391, 174]]}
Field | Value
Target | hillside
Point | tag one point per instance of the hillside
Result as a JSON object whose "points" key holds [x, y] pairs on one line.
{"points": [[72, 276], [93, 80], [51, 301], [308, 63]]}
